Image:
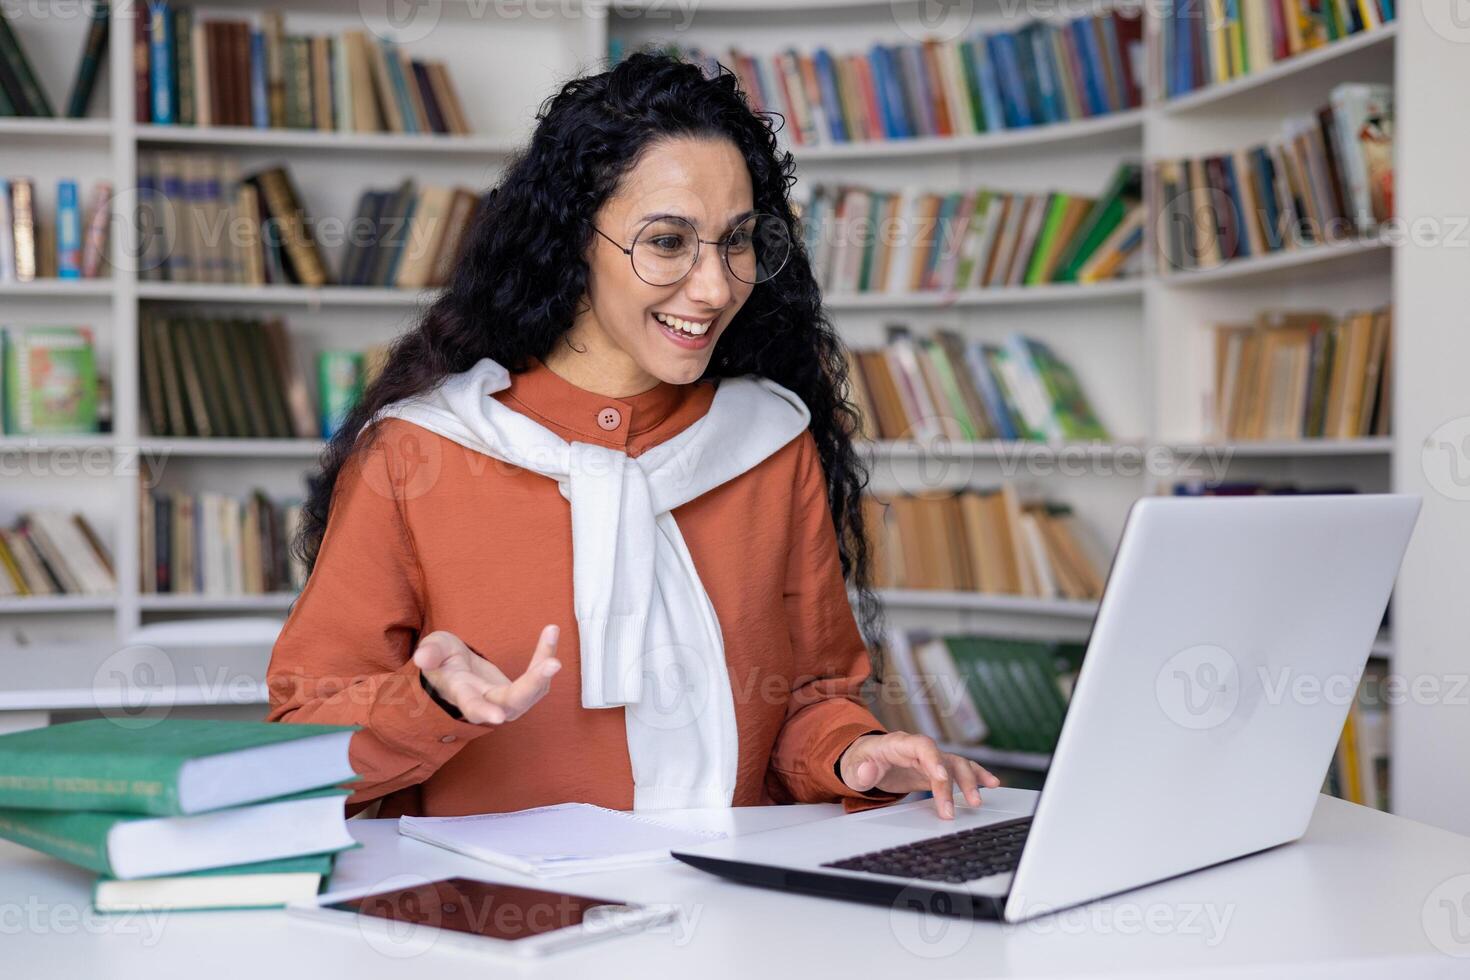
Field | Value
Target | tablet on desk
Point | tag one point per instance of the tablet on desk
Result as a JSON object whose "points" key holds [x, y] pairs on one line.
{"points": [[483, 916]]}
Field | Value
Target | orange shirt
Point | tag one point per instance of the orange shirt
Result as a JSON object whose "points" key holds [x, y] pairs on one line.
{"points": [[425, 534]]}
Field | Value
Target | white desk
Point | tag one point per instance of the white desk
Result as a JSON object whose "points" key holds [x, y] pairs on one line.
{"points": [[1359, 896]]}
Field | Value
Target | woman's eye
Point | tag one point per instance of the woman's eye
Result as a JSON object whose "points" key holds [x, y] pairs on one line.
{"points": [[739, 241], [669, 243]]}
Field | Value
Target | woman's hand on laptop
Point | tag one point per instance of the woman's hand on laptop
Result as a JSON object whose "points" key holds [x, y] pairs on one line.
{"points": [[478, 688], [903, 762]]}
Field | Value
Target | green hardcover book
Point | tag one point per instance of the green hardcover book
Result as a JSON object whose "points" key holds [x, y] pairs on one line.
{"points": [[173, 766], [50, 380], [1010, 669], [997, 719], [129, 845], [876, 203], [20, 69], [964, 272], [261, 885], [953, 397], [339, 380], [1046, 241], [1069, 404], [1006, 697], [1123, 191]]}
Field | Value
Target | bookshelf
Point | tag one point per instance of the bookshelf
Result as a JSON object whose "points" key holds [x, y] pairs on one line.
{"points": [[1139, 346]]}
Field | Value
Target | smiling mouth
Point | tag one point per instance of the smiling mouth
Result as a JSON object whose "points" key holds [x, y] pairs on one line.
{"points": [[692, 328]]}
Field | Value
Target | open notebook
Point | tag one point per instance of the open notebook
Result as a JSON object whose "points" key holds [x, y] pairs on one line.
{"points": [[564, 839]]}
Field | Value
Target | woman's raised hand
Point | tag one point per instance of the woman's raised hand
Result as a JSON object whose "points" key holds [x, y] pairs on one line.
{"points": [[478, 688]]}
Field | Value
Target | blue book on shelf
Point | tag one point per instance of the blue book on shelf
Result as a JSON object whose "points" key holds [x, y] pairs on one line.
{"points": [[1002, 49], [1030, 76], [1184, 46], [1047, 82], [161, 60], [1092, 67], [260, 113], [831, 103], [400, 87], [1237, 206], [890, 98], [948, 205], [68, 231], [1266, 180], [995, 114], [977, 359], [1387, 7], [397, 254]]}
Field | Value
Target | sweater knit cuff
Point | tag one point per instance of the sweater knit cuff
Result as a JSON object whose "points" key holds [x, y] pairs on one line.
{"points": [[612, 659]]}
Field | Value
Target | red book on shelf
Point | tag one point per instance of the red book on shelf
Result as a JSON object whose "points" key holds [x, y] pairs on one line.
{"points": [[934, 88], [142, 92], [863, 69]]}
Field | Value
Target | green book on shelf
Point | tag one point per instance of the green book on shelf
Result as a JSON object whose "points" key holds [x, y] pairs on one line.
{"points": [[174, 766], [1123, 191], [261, 885], [340, 385], [1046, 241], [50, 380], [130, 845]]}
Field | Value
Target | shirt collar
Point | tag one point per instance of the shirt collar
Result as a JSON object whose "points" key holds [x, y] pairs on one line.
{"points": [[541, 392]]}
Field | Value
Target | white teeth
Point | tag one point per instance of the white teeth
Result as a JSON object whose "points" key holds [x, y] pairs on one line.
{"points": [[695, 329]]}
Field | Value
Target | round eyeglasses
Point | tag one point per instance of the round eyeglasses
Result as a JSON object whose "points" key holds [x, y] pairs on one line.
{"points": [[667, 249]]}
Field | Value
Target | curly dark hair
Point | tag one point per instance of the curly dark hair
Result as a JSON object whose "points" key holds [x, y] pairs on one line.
{"points": [[523, 269]]}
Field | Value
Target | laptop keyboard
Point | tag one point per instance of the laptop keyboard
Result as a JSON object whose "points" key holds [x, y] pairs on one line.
{"points": [[965, 855]]}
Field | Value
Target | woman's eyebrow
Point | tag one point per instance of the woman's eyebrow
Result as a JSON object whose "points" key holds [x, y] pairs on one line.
{"points": [[657, 215]]}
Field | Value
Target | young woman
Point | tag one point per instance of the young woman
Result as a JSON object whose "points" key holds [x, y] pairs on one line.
{"points": [[618, 443]]}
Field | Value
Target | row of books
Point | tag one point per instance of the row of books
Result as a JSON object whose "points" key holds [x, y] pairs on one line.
{"points": [[74, 246], [182, 813], [216, 544], [1304, 375], [1327, 177], [49, 382], [970, 690], [21, 90], [870, 241], [52, 552], [944, 386], [1215, 41], [1359, 772], [1044, 72], [206, 222], [987, 541], [189, 71]]}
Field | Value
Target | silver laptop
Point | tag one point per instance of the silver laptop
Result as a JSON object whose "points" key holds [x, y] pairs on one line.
{"points": [[1224, 656]]}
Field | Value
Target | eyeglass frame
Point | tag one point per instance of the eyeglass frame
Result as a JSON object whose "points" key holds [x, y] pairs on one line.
{"points": [[722, 244]]}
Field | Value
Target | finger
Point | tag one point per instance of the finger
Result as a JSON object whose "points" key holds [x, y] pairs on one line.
{"points": [[434, 650], [472, 696], [967, 777], [518, 696], [926, 758], [867, 774], [986, 777]]}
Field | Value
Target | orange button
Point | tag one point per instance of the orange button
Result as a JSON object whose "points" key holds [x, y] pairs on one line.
{"points": [[609, 418]]}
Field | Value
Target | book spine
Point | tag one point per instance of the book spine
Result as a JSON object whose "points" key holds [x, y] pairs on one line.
{"points": [[92, 51], [160, 53], [62, 835], [68, 231]]}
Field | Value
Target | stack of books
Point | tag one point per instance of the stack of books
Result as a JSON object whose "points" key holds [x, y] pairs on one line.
{"points": [[217, 544], [946, 387], [1303, 375], [220, 378], [973, 690], [987, 541], [1206, 43], [52, 552], [49, 381], [74, 246], [182, 813], [1327, 178], [1045, 72], [21, 91], [408, 237], [196, 72], [865, 241]]}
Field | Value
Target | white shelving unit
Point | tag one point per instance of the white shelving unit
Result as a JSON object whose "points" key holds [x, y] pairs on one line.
{"points": [[1139, 347]]}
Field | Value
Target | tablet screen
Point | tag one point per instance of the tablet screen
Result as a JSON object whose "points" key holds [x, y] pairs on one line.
{"points": [[481, 908]]}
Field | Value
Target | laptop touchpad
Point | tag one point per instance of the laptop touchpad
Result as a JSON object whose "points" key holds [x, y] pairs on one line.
{"points": [[924, 818]]}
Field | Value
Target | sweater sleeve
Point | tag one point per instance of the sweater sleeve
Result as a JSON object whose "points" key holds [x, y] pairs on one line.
{"points": [[825, 713], [343, 655]]}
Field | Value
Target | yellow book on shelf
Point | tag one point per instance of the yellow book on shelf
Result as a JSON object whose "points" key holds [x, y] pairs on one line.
{"points": [[1219, 56]]}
